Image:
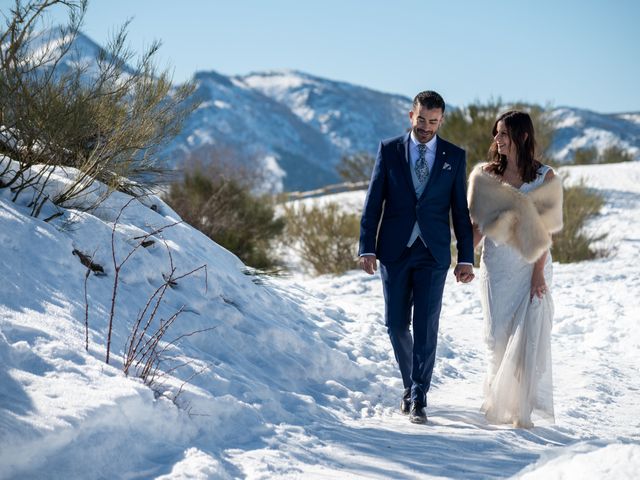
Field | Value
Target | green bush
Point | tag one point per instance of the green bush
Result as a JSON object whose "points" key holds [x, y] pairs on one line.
{"points": [[325, 237], [225, 210], [612, 154], [586, 156], [573, 244]]}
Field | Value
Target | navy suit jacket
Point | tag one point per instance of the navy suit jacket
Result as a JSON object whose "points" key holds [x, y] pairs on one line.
{"points": [[391, 207]]}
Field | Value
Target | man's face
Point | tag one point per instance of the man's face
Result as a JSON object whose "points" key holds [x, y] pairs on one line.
{"points": [[425, 122]]}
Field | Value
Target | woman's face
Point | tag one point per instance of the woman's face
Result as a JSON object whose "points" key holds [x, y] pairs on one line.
{"points": [[503, 141]]}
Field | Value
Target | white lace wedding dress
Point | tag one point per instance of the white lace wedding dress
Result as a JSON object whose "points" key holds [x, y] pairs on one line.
{"points": [[517, 332]]}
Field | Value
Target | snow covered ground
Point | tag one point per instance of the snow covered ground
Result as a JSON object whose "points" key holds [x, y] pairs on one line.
{"points": [[297, 379]]}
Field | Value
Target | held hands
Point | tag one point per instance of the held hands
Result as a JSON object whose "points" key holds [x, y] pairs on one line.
{"points": [[368, 263], [464, 273]]}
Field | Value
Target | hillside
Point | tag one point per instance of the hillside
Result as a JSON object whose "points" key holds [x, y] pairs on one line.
{"points": [[577, 128]]}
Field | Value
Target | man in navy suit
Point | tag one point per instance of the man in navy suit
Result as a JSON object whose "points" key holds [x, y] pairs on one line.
{"points": [[417, 180]]}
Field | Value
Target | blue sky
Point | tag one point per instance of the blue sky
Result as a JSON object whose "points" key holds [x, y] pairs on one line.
{"points": [[577, 53]]}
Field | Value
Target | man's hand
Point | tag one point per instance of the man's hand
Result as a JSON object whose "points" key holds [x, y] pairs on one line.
{"points": [[463, 273], [368, 263]]}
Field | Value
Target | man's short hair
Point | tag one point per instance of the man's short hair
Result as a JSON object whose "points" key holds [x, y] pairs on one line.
{"points": [[429, 99]]}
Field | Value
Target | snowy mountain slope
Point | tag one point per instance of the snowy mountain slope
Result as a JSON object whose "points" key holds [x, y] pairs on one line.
{"points": [[577, 129], [354, 118], [299, 376], [83, 52], [241, 125]]}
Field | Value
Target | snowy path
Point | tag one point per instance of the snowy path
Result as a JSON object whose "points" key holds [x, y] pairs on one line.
{"points": [[595, 344], [596, 406]]}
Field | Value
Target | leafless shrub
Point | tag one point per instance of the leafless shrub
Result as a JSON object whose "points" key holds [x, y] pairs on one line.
{"points": [[117, 267], [146, 348], [143, 352]]}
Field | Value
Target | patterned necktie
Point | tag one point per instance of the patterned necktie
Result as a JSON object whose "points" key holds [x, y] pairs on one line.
{"points": [[422, 169]]}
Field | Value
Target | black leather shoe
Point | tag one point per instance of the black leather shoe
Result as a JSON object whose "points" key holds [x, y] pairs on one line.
{"points": [[418, 413], [405, 403]]}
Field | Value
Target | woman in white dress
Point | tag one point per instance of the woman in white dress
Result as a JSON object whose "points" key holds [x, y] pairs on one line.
{"points": [[515, 204]]}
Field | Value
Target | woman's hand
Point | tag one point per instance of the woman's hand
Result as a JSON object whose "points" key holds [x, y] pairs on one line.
{"points": [[538, 284]]}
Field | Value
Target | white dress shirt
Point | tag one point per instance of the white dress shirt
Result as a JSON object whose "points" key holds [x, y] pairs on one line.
{"points": [[430, 154]]}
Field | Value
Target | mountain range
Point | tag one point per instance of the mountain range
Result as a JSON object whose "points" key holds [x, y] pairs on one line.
{"points": [[295, 127]]}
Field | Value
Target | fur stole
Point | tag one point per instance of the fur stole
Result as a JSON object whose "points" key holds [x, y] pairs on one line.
{"points": [[507, 215]]}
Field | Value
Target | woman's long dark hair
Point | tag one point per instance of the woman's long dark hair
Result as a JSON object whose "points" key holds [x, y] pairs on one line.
{"points": [[520, 129]]}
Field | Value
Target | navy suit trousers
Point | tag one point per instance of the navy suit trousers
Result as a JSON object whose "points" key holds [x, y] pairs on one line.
{"points": [[414, 280]]}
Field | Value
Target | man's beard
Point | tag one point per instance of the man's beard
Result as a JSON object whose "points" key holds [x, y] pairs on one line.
{"points": [[423, 134]]}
